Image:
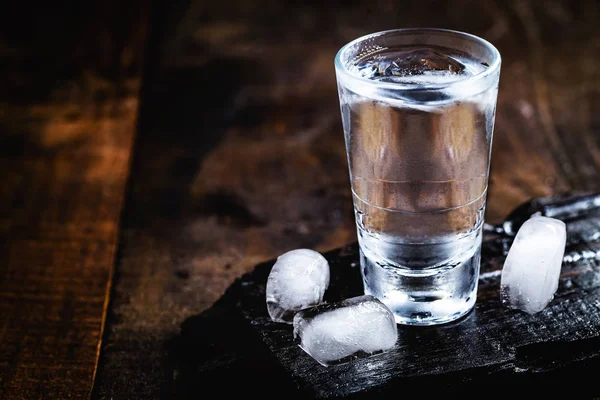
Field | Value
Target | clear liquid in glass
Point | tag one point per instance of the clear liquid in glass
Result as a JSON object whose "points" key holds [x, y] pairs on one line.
{"points": [[418, 167]]}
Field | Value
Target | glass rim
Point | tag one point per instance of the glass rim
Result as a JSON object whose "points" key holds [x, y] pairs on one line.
{"points": [[493, 68]]}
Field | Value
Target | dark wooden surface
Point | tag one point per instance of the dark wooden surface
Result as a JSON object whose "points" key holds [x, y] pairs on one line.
{"points": [[507, 349], [69, 80], [239, 157]]}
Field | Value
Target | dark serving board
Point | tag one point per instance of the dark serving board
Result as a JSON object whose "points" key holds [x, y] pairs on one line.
{"points": [[235, 347]]}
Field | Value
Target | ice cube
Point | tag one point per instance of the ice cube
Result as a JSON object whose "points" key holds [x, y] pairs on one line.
{"points": [[419, 61], [417, 66], [335, 333], [297, 280], [532, 267]]}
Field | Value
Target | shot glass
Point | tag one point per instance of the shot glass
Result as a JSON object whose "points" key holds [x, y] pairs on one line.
{"points": [[418, 108]]}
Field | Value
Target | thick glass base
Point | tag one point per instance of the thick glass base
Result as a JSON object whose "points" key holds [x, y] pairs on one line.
{"points": [[425, 296]]}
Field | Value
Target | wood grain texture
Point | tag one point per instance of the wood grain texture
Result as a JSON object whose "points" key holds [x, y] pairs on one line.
{"points": [[241, 155], [68, 105], [509, 350]]}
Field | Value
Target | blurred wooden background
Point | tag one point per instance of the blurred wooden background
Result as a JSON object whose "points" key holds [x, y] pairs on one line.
{"points": [[174, 145]]}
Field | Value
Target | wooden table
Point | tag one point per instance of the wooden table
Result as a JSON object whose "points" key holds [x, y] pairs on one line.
{"points": [[152, 153]]}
